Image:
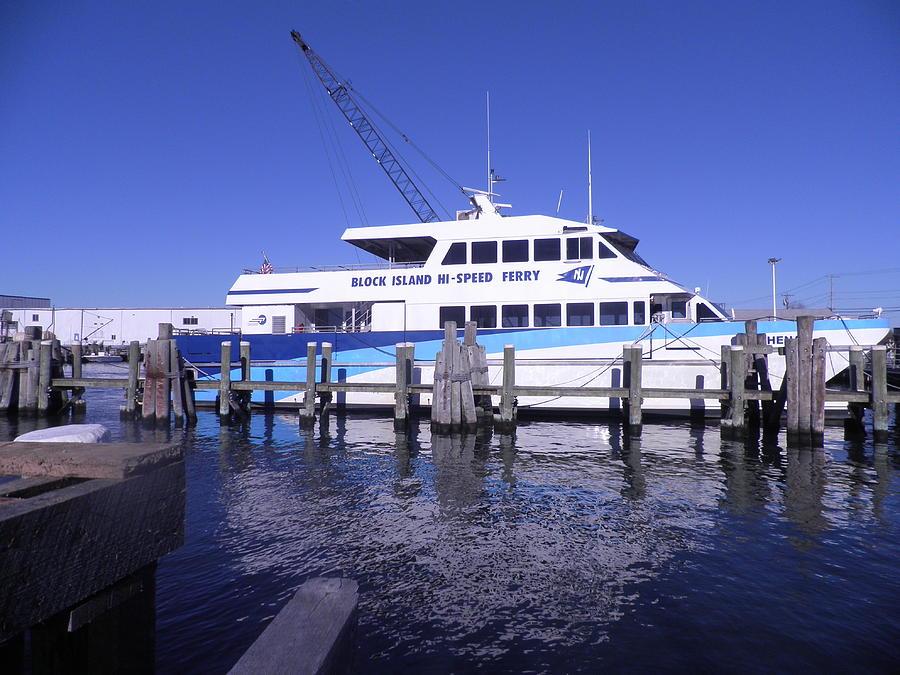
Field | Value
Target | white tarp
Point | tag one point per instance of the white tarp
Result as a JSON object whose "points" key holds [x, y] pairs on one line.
{"points": [[69, 433]]}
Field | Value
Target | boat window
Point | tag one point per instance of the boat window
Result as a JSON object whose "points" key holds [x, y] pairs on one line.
{"points": [[456, 254], [484, 252], [704, 313], [456, 313], [514, 316], [613, 313], [679, 309], [603, 251], [515, 250], [547, 315], [579, 248], [485, 316], [640, 312], [278, 324], [624, 244], [580, 314], [546, 249]]}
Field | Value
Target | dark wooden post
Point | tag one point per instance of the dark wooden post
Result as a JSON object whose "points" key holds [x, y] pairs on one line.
{"points": [[724, 374], [857, 378], [792, 385], [805, 338], [751, 340], [817, 389], [177, 383], [45, 363], [401, 387], [880, 409], [325, 377], [163, 381], [507, 397], [134, 369], [737, 382], [308, 414], [247, 395], [225, 383], [632, 371], [148, 403]]}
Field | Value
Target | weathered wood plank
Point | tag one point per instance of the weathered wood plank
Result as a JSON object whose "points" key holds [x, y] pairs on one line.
{"points": [[310, 635], [60, 547], [86, 460]]}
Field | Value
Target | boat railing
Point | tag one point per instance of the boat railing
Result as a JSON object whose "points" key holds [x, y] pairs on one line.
{"points": [[206, 331], [358, 267]]}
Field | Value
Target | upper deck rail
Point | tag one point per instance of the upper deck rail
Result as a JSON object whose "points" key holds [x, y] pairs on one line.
{"points": [[340, 268]]}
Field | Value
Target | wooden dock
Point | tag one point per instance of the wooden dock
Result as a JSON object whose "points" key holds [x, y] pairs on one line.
{"points": [[461, 394], [80, 533]]}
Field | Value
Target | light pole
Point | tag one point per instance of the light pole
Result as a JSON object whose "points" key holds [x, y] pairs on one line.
{"points": [[773, 262]]}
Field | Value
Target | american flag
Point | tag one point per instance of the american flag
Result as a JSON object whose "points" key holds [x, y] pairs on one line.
{"points": [[266, 267]]}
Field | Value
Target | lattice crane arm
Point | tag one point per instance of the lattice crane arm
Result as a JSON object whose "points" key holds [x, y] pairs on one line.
{"points": [[341, 95]]}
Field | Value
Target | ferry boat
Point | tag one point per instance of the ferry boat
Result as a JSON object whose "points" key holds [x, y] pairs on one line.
{"points": [[568, 295]]}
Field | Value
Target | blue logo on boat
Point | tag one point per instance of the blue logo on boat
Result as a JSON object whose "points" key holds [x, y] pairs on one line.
{"points": [[579, 275], [260, 320]]}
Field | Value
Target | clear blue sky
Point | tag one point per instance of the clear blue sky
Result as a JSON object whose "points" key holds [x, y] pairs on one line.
{"points": [[150, 150]]}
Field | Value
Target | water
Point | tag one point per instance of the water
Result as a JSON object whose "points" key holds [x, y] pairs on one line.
{"points": [[564, 549]]}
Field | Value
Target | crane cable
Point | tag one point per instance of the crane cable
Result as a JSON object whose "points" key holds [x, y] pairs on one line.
{"points": [[333, 152]]}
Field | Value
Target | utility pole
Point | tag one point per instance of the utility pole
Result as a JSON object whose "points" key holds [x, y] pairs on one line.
{"points": [[773, 262], [831, 292]]}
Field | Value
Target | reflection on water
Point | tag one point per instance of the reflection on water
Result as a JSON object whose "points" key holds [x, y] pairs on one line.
{"points": [[563, 547]]}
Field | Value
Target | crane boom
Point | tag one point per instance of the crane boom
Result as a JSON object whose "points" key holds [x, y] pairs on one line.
{"points": [[340, 93]]}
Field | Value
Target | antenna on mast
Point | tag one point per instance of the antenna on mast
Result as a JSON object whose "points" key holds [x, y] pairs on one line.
{"points": [[490, 173], [590, 217], [559, 203]]}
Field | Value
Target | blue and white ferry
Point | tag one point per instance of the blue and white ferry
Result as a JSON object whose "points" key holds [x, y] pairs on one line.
{"points": [[568, 295]]}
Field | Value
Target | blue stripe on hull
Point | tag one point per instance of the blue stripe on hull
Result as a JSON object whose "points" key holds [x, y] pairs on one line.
{"points": [[288, 351]]}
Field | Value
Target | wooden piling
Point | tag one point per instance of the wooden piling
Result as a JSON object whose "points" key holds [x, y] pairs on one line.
{"points": [[857, 382], [751, 382], [163, 381], [401, 384], [724, 373], [817, 391], [880, 408], [134, 371], [507, 420], [245, 396], [225, 382], [468, 418], [177, 386], [325, 378], [792, 385], [804, 373], [440, 397], [148, 403], [632, 372], [308, 414], [165, 331], [737, 392], [77, 402], [43, 391], [451, 348], [187, 383]]}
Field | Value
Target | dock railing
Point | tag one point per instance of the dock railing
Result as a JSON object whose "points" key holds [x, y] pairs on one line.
{"points": [[32, 382]]}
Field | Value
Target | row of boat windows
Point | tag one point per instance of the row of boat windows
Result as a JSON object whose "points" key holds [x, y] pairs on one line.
{"points": [[546, 315], [525, 250]]}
